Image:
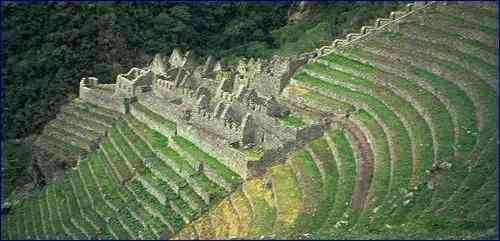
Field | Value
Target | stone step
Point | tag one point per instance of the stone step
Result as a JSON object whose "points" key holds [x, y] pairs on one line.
{"points": [[172, 199], [66, 136], [352, 36], [97, 109], [193, 178], [397, 14], [85, 115], [93, 127], [379, 22], [73, 130], [151, 210], [70, 125], [55, 145], [174, 185], [367, 29], [339, 42]]}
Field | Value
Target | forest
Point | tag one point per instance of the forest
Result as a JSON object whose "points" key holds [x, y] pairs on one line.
{"points": [[48, 47]]}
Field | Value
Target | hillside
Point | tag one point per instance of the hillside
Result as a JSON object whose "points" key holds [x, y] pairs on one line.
{"points": [[50, 45], [395, 137], [413, 155]]}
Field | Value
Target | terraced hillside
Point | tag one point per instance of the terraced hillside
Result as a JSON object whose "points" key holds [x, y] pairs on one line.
{"points": [[413, 153], [137, 184], [71, 136]]}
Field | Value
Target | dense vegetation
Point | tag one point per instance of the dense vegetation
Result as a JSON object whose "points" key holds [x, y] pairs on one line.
{"points": [[48, 48]]}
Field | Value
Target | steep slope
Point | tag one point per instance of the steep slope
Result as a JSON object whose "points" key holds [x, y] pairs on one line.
{"points": [[413, 153], [410, 153], [137, 184]]}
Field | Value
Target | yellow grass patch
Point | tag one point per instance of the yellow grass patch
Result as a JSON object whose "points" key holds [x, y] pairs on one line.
{"points": [[287, 196], [204, 228], [298, 89], [244, 210]]}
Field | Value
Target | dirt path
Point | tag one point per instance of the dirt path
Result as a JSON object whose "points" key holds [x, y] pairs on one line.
{"points": [[366, 166]]}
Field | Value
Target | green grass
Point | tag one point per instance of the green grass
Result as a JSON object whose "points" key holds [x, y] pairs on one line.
{"points": [[292, 120], [117, 160], [465, 142], [142, 148], [421, 133], [344, 156], [161, 143], [129, 154], [440, 118], [311, 189], [165, 210], [440, 35], [156, 139], [401, 139], [382, 167], [325, 102], [287, 198], [465, 60], [264, 215], [330, 185], [467, 24], [480, 92], [462, 106]]}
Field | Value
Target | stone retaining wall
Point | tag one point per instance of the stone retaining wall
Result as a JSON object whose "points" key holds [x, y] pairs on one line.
{"points": [[150, 122], [102, 98], [209, 143]]}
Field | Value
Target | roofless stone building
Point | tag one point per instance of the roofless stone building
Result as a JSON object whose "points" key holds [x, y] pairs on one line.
{"points": [[231, 112]]}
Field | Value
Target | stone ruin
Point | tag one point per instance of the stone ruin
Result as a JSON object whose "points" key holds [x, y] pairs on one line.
{"points": [[228, 111]]}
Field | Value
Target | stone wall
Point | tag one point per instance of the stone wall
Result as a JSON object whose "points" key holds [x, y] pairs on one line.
{"points": [[151, 123], [214, 145], [101, 97], [162, 107], [213, 106], [309, 133]]}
